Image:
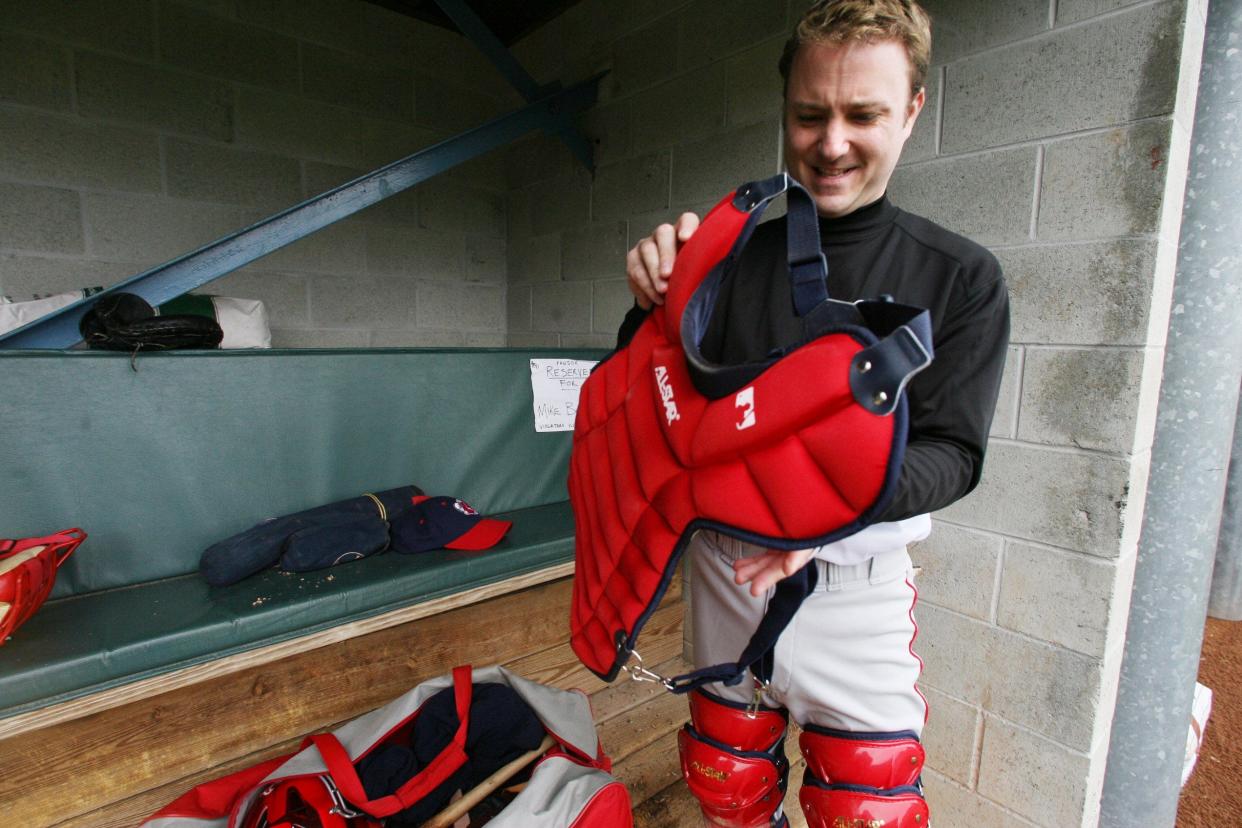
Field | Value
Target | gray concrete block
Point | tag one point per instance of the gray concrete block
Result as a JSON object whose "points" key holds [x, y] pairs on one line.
{"points": [[1082, 398], [571, 340], [961, 27], [949, 736], [987, 198], [959, 569], [204, 41], [1050, 690], [707, 170], [679, 111], [1080, 294], [532, 340], [22, 276], [1059, 597], [1107, 184], [955, 806], [285, 295], [518, 213], [1070, 500], [33, 72], [56, 150], [337, 249], [449, 207], [223, 8], [299, 127], [124, 26], [320, 338], [400, 209], [119, 89], [437, 339], [535, 259], [643, 58], [459, 307], [211, 172], [922, 142], [607, 127], [1005, 422], [415, 253], [594, 251], [1071, 11], [518, 309], [610, 301], [367, 302], [753, 83], [485, 259], [536, 158], [43, 219], [452, 107], [630, 186], [151, 230], [1118, 69], [1051, 787], [561, 307], [711, 29], [560, 202], [354, 82]]}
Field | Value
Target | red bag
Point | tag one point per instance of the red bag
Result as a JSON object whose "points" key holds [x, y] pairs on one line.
{"points": [[319, 787], [28, 571]]}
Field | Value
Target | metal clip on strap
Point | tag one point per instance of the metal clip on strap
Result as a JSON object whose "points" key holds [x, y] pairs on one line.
{"points": [[639, 672]]}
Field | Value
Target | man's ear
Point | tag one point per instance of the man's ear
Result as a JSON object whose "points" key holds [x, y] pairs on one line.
{"points": [[916, 106]]}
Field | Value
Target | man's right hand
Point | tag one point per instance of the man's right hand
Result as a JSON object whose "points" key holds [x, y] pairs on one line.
{"points": [[650, 262]]}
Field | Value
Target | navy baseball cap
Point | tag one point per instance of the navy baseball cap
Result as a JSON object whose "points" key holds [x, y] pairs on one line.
{"points": [[444, 523]]}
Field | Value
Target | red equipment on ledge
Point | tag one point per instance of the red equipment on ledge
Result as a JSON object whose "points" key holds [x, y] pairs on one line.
{"points": [[27, 572]]}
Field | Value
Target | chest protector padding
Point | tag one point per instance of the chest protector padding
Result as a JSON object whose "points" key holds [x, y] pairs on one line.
{"points": [[798, 450]]}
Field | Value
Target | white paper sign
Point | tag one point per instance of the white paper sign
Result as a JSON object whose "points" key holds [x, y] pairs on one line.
{"points": [[556, 383]]}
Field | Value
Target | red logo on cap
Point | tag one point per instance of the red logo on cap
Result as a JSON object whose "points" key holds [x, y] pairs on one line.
{"points": [[464, 507]]}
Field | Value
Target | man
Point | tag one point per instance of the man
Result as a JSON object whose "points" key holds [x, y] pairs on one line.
{"points": [[844, 668]]}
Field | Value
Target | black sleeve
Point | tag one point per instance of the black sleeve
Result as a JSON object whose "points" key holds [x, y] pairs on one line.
{"points": [[952, 403], [629, 325]]}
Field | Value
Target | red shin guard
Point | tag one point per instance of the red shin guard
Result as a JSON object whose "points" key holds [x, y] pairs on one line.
{"points": [[862, 780], [734, 763]]}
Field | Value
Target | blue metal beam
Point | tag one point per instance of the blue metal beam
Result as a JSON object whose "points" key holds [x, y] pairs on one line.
{"points": [[181, 275], [476, 30]]}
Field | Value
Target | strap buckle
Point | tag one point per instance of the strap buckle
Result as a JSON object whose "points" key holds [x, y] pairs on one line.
{"points": [[640, 672], [756, 699]]}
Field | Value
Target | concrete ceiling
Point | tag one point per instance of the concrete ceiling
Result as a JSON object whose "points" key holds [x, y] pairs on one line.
{"points": [[509, 21]]}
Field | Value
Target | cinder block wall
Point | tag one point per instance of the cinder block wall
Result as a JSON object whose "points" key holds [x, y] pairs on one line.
{"points": [[133, 131], [1057, 134]]}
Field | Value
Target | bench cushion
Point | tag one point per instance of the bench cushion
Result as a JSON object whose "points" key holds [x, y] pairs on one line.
{"points": [[87, 643]]}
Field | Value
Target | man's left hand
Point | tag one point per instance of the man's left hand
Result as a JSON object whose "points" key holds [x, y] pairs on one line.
{"points": [[764, 570]]}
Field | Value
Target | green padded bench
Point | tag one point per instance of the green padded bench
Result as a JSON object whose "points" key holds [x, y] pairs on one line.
{"points": [[158, 463]]}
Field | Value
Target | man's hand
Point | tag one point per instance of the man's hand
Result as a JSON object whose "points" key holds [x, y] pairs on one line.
{"points": [[650, 262], [764, 570]]}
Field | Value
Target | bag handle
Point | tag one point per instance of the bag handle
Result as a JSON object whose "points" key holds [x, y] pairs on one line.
{"points": [[450, 760]]}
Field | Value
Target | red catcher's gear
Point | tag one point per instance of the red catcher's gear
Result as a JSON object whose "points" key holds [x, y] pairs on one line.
{"points": [[28, 572], [734, 763], [798, 450], [862, 779]]}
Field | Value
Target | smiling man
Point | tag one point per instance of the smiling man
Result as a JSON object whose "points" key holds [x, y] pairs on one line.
{"points": [[844, 668]]}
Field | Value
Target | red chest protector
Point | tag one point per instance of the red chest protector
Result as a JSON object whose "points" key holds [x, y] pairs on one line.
{"points": [[800, 449]]}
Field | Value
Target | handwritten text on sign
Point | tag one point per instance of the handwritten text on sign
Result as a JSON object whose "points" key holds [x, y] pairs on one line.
{"points": [[556, 383]]}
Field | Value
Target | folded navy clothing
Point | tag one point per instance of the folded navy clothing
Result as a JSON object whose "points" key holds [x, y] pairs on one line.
{"points": [[333, 541], [261, 546]]}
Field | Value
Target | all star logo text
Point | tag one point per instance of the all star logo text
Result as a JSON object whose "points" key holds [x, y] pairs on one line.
{"points": [[666, 394]]}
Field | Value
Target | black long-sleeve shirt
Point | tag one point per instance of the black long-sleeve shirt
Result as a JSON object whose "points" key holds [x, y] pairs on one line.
{"points": [[880, 249]]}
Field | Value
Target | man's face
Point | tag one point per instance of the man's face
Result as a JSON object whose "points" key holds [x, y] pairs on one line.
{"points": [[848, 112]]}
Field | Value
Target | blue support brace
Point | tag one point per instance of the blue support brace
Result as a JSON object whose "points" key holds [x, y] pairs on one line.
{"points": [[181, 275], [476, 31]]}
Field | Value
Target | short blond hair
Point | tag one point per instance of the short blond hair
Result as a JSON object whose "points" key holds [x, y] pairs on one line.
{"points": [[866, 21]]}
